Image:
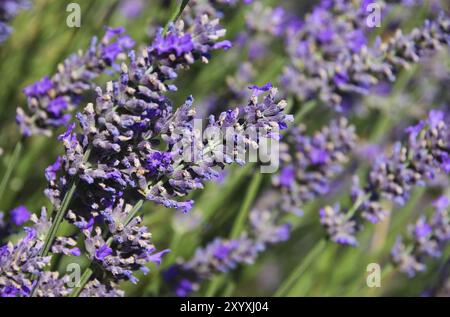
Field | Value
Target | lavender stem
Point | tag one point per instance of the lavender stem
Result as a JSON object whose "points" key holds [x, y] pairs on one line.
{"points": [[176, 14], [10, 168], [300, 269], [248, 200]]}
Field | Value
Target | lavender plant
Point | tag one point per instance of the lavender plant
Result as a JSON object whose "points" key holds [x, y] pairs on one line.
{"points": [[311, 162], [392, 178], [51, 100], [224, 255], [116, 156], [22, 264], [336, 64], [427, 239], [137, 143], [293, 187]]}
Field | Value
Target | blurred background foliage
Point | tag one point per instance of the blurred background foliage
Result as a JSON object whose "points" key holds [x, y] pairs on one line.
{"points": [[41, 40]]}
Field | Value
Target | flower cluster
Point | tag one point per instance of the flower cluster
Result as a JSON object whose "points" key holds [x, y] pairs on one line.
{"points": [[392, 178], [426, 154], [335, 63], [123, 132], [129, 247], [22, 265], [311, 162], [128, 119], [123, 157], [340, 228], [8, 10], [224, 255], [17, 217], [428, 238], [133, 146], [51, 100], [96, 289]]}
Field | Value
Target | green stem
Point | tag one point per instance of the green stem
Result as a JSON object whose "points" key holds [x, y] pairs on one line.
{"points": [[300, 269], [214, 286], [175, 15], [134, 211], [58, 219], [356, 205], [55, 226], [88, 273], [83, 281], [225, 192], [10, 168], [174, 246], [248, 200], [304, 110], [238, 226], [61, 213]]}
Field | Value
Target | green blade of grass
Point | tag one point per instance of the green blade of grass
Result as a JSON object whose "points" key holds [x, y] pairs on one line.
{"points": [[10, 168], [300, 269]]}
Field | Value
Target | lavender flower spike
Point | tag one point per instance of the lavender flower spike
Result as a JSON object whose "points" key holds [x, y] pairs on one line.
{"points": [[426, 154], [51, 100], [312, 161], [339, 227], [130, 248], [223, 255], [22, 266], [393, 177], [336, 64], [96, 289], [427, 239]]}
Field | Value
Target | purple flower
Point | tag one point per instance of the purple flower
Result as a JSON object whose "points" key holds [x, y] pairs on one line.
{"points": [[103, 252], [328, 61], [158, 162], [52, 100], [427, 238], [393, 177], [50, 172], [357, 40], [340, 79], [57, 106], [316, 160], [75, 252], [21, 263], [20, 215], [259, 90], [40, 88], [422, 229], [110, 52], [129, 240], [339, 227], [441, 203], [224, 255], [224, 45], [172, 43], [287, 176], [318, 156]]}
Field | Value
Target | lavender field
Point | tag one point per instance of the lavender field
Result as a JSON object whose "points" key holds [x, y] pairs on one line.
{"points": [[224, 148]]}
